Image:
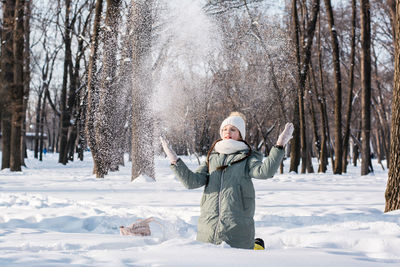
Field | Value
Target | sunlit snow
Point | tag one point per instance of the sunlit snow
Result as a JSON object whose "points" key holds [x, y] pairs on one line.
{"points": [[56, 215]]}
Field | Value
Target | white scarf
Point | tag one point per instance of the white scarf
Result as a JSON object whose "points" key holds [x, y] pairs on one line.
{"points": [[229, 146]]}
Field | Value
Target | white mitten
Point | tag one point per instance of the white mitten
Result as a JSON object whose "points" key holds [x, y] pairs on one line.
{"points": [[286, 135], [169, 151], [138, 228]]}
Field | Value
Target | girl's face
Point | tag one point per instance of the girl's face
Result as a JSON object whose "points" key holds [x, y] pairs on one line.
{"points": [[231, 132]]}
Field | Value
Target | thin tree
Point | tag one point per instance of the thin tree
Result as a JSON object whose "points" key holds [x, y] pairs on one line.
{"points": [[366, 86], [380, 109], [308, 38], [27, 75], [71, 72], [392, 194], [41, 129], [47, 70], [337, 169], [322, 108], [295, 142], [351, 85], [64, 120], [75, 109]]}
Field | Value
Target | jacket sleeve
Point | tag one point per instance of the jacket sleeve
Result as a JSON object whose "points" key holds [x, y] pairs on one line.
{"points": [[266, 169], [188, 178]]}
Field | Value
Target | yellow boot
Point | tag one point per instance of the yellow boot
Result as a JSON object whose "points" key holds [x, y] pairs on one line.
{"points": [[259, 244]]}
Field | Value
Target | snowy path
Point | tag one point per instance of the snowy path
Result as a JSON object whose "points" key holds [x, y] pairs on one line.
{"points": [[62, 216]]}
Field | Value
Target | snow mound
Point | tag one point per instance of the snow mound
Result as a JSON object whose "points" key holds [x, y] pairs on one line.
{"points": [[144, 179]]}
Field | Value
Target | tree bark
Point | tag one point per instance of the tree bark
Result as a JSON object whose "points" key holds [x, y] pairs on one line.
{"points": [[295, 142], [392, 194], [73, 97], [142, 115], [27, 75], [106, 115], [322, 108], [124, 121], [351, 85], [37, 124], [41, 129], [337, 169], [65, 116], [366, 86], [313, 87], [17, 95], [92, 88], [7, 79]]}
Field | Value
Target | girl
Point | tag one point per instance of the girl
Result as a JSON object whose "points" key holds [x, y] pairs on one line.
{"points": [[228, 202]]}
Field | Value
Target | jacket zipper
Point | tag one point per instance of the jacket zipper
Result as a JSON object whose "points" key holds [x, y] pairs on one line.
{"points": [[219, 200]]}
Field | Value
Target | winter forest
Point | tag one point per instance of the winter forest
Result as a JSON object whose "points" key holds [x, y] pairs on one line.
{"points": [[104, 80]]}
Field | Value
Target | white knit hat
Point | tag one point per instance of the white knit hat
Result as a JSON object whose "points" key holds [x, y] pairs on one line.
{"points": [[236, 121]]}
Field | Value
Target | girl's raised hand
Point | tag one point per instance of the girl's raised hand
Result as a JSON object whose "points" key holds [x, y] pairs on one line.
{"points": [[286, 134], [169, 151]]}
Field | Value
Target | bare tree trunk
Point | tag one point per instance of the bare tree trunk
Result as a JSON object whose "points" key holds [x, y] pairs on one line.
{"points": [[142, 116], [304, 66], [300, 96], [7, 79], [124, 121], [72, 135], [326, 145], [337, 169], [92, 96], [65, 116], [55, 136], [377, 145], [295, 143], [73, 99], [322, 107], [392, 194], [27, 74], [41, 128], [381, 111], [106, 115], [81, 118], [351, 85], [356, 146], [18, 90], [310, 168], [366, 86], [381, 129], [37, 126], [313, 87], [311, 113]]}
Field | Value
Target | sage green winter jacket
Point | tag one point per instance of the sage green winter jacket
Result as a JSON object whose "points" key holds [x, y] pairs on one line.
{"points": [[228, 202]]}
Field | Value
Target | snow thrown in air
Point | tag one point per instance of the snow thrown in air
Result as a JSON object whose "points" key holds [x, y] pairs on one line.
{"points": [[190, 38]]}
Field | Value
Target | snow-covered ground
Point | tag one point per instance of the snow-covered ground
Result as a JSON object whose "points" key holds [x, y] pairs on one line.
{"points": [[55, 215]]}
